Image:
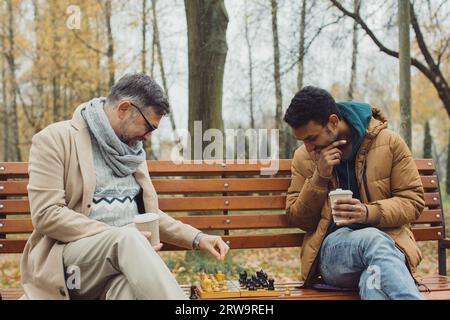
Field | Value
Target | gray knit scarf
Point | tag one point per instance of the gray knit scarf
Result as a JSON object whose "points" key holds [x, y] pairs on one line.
{"points": [[122, 158]]}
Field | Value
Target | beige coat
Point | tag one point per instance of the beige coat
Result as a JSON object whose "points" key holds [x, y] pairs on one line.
{"points": [[61, 188], [393, 182]]}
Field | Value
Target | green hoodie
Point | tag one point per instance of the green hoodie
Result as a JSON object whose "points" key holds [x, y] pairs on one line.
{"points": [[357, 115]]}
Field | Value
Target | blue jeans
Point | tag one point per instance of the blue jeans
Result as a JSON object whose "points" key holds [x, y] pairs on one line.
{"points": [[369, 260]]}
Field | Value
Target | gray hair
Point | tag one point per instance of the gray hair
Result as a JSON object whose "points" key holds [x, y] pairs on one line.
{"points": [[141, 90]]}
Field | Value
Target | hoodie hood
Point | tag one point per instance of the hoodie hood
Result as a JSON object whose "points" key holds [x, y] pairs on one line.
{"points": [[358, 116]]}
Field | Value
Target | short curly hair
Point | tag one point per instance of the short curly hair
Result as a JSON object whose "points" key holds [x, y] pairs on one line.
{"points": [[311, 104]]}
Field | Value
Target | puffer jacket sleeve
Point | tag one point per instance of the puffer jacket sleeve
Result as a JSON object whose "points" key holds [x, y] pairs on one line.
{"points": [[306, 194], [407, 201]]}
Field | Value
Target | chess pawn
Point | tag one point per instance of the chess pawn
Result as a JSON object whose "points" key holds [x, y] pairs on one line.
{"points": [[193, 295], [251, 286], [287, 293], [208, 284], [219, 276], [271, 285]]}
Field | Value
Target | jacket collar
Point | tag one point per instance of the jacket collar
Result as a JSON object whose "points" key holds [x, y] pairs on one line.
{"points": [[376, 124], [77, 120]]}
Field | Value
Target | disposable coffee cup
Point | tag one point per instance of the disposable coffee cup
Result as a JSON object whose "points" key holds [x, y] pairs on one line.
{"points": [[148, 222], [339, 194]]}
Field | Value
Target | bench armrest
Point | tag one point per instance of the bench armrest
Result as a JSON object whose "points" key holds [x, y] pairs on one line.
{"points": [[444, 243]]}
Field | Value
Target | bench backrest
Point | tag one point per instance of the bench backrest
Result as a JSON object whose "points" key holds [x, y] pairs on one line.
{"points": [[248, 207]]}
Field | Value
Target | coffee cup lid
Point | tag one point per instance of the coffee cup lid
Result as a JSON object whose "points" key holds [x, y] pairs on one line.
{"points": [[340, 192], [145, 217]]}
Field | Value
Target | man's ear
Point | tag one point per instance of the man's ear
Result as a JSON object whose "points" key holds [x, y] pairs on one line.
{"points": [[333, 120], [123, 109]]}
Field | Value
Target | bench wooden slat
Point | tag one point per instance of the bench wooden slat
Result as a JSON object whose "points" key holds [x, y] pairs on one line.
{"points": [[186, 186], [217, 222], [428, 233], [171, 204], [222, 203], [250, 241], [213, 222], [430, 216], [181, 204], [13, 188], [425, 166], [13, 170], [432, 199], [158, 168], [192, 168]]}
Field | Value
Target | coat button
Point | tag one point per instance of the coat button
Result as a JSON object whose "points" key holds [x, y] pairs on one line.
{"points": [[62, 292], [89, 205]]}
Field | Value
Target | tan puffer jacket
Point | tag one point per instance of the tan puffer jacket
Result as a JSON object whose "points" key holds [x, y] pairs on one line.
{"points": [[394, 198]]}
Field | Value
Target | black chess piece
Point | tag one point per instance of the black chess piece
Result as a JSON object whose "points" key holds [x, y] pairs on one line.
{"points": [[271, 285], [258, 283], [243, 277], [193, 295], [251, 285]]}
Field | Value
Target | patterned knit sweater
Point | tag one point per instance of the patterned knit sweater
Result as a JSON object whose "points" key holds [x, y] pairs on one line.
{"points": [[114, 200]]}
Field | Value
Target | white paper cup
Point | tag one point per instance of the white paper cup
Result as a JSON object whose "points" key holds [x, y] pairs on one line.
{"points": [[148, 222], [339, 194]]}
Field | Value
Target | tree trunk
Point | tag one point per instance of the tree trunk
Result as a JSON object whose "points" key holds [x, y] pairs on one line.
{"points": [[207, 23], [351, 88], [5, 109], [144, 37], [250, 68], [301, 48], [277, 79], [427, 142], [14, 150], [447, 180], [157, 44], [405, 70], [110, 42]]}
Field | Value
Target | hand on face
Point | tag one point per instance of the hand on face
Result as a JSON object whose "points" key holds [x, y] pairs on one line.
{"points": [[351, 209], [329, 157]]}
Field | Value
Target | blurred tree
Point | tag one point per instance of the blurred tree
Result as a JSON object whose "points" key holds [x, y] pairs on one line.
{"points": [[427, 141], [351, 87], [432, 67], [207, 23], [405, 70]]}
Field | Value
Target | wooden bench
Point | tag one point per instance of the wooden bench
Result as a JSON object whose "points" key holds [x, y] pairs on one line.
{"points": [[228, 188]]}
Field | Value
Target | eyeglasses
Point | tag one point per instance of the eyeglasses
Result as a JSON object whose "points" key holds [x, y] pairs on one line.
{"points": [[149, 125]]}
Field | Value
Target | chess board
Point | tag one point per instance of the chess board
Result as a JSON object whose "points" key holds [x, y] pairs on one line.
{"points": [[234, 290]]}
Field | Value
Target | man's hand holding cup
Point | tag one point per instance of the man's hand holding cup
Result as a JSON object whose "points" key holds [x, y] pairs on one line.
{"points": [[349, 211]]}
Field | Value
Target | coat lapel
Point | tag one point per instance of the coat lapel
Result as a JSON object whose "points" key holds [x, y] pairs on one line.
{"points": [[85, 159]]}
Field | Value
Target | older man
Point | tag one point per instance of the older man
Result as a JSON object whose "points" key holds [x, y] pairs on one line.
{"points": [[88, 179]]}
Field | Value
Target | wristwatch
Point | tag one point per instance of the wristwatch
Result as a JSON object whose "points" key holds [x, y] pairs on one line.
{"points": [[196, 242]]}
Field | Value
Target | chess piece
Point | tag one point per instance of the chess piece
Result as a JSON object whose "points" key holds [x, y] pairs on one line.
{"points": [[258, 284], [271, 285], [243, 278], [193, 295], [207, 285], [251, 285], [219, 276], [287, 293]]}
